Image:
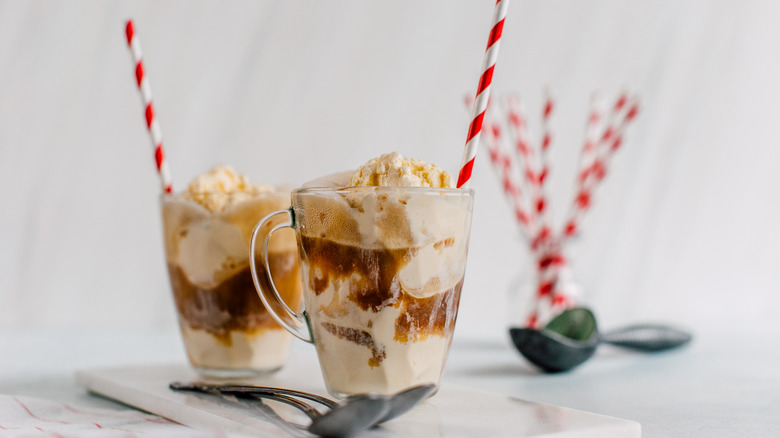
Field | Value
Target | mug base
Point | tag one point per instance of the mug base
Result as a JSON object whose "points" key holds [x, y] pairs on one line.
{"points": [[227, 373]]}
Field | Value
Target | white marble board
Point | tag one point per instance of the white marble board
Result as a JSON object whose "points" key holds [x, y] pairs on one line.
{"points": [[454, 412]]}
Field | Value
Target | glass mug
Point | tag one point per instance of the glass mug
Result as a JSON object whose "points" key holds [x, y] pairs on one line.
{"points": [[226, 330], [382, 271]]}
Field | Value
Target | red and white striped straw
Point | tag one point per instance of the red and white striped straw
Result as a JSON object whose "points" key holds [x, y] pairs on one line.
{"points": [[504, 165], [146, 96], [547, 110], [610, 144], [554, 292], [618, 112], [518, 123], [624, 112], [543, 206], [593, 128], [483, 93]]}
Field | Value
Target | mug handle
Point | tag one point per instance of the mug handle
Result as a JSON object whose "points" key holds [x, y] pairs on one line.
{"points": [[297, 324]]}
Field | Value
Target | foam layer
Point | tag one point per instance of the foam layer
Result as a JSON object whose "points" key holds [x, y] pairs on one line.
{"points": [[333, 181], [378, 217], [374, 209], [212, 246]]}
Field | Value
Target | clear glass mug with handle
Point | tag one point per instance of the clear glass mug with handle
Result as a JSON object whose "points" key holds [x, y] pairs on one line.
{"points": [[382, 271], [226, 330]]}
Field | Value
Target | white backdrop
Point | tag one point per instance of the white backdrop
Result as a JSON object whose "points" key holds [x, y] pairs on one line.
{"points": [[684, 229]]}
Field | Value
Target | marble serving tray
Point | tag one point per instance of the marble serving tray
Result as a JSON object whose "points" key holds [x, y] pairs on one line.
{"points": [[454, 412]]}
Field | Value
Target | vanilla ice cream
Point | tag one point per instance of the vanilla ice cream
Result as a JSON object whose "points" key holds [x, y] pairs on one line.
{"points": [[383, 254], [224, 325], [395, 170]]}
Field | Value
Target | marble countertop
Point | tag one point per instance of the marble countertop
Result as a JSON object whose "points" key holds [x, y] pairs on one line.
{"points": [[718, 386]]}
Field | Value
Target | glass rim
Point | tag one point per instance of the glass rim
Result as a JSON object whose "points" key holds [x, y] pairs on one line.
{"points": [[186, 193], [351, 189]]}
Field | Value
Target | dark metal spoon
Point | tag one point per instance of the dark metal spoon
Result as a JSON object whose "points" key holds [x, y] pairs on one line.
{"points": [[249, 389], [571, 338], [405, 400], [354, 414]]}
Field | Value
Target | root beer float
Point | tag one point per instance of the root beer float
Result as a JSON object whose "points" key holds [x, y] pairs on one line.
{"points": [[225, 328], [382, 252]]}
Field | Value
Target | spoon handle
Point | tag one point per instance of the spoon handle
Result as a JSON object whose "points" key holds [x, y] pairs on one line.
{"points": [[247, 389], [647, 337], [310, 412]]}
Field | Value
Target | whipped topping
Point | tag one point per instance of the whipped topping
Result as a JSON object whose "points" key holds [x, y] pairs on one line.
{"points": [[222, 186], [395, 170]]}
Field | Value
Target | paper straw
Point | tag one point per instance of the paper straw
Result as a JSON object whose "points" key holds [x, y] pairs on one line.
{"points": [[146, 97], [483, 93], [552, 294], [504, 166], [543, 207], [593, 128], [547, 110], [610, 144], [624, 112], [524, 151]]}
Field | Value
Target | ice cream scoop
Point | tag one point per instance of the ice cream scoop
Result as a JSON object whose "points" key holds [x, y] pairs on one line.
{"points": [[571, 338]]}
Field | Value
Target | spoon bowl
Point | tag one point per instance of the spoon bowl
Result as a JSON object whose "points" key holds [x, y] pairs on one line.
{"points": [[568, 340], [353, 415], [551, 351], [401, 402], [361, 412]]}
